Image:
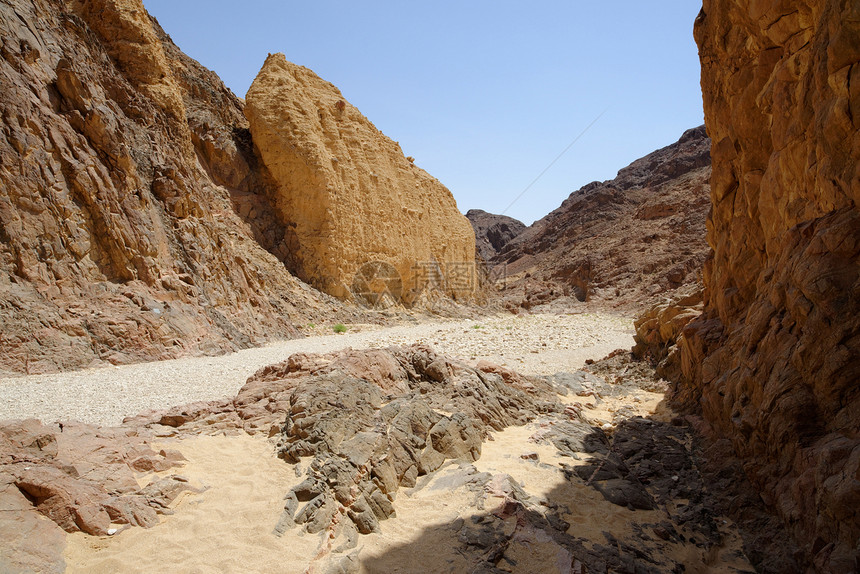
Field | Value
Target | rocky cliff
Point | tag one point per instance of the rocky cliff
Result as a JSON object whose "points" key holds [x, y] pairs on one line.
{"points": [[492, 231], [123, 170], [349, 197], [621, 241], [138, 220], [774, 361]]}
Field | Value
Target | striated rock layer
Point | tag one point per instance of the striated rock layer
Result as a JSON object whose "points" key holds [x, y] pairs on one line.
{"points": [[774, 361], [348, 195], [134, 213]]}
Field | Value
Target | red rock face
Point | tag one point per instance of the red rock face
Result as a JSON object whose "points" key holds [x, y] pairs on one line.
{"points": [[774, 361]]}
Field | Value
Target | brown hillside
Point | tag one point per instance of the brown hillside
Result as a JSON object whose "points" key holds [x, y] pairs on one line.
{"points": [[619, 242]]}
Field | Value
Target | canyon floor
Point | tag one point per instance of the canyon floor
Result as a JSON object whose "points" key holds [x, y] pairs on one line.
{"points": [[540, 498]]}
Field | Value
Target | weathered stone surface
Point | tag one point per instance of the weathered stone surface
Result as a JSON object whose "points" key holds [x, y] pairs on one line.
{"points": [[773, 362], [134, 213], [347, 194], [373, 420], [493, 232], [659, 331], [72, 478], [623, 241], [367, 444]]}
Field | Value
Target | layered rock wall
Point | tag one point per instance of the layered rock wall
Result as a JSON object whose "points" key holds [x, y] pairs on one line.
{"points": [[348, 195], [132, 205], [774, 361]]}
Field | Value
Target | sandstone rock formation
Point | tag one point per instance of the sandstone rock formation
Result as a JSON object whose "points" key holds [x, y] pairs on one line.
{"points": [[659, 331], [493, 232], [774, 361], [349, 197], [623, 241], [135, 216]]}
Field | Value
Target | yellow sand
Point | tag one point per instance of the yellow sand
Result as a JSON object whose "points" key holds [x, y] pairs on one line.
{"points": [[227, 528]]}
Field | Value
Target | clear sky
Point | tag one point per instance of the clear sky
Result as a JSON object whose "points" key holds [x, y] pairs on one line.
{"points": [[483, 94]]}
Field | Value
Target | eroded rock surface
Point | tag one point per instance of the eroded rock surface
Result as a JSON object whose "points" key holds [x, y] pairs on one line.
{"points": [[349, 197], [372, 421], [774, 361], [492, 231], [135, 216], [623, 241], [81, 478]]}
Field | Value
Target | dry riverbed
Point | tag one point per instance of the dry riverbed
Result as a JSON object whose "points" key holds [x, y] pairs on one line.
{"points": [[530, 344]]}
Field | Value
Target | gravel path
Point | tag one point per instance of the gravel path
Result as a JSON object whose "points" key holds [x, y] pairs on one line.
{"points": [[531, 344]]}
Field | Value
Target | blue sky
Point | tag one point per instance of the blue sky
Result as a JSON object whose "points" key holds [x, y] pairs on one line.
{"points": [[483, 94]]}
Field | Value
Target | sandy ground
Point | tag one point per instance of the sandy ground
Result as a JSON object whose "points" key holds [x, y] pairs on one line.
{"points": [[531, 344], [227, 528], [229, 525]]}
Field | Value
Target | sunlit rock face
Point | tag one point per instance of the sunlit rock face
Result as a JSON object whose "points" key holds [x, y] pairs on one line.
{"points": [[348, 195], [774, 361], [133, 209]]}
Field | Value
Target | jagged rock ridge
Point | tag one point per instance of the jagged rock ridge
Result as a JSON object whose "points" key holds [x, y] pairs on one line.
{"points": [[622, 241], [774, 361]]}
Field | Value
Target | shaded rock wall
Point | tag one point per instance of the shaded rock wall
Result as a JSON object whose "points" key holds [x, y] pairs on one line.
{"points": [[133, 210], [774, 361], [347, 193]]}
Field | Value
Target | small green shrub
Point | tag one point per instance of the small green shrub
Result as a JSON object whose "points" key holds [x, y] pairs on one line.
{"points": [[340, 328], [477, 327]]}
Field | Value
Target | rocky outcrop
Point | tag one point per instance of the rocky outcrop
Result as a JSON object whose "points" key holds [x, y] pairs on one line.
{"points": [[622, 242], [660, 331], [350, 199], [373, 421], [773, 361], [134, 213], [492, 232], [82, 478]]}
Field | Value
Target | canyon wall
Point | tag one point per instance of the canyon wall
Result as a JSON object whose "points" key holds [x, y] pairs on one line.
{"points": [[493, 232], [135, 220], [774, 361], [360, 216]]}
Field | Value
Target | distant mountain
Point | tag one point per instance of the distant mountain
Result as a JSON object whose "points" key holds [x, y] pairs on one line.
{"points": [[493, 232], [621, 241]]}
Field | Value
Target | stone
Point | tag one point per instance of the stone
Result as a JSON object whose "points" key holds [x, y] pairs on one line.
{"points": [[773, 361], [659, 331], [136, 217], [75, 478], [373, 422], [351, 201]]}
